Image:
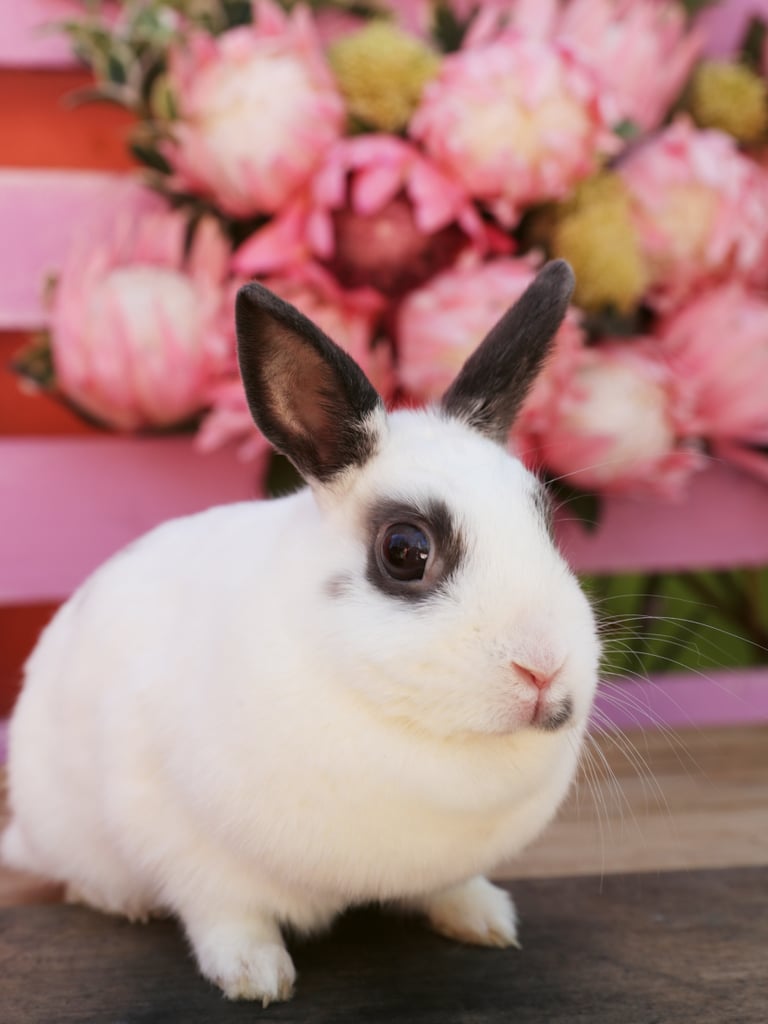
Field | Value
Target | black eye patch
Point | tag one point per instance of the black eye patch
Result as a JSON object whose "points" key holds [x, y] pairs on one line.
{"points": [[413, 548]]}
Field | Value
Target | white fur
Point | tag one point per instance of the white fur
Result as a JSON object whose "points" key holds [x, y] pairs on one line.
{"points": [[209, 727]]}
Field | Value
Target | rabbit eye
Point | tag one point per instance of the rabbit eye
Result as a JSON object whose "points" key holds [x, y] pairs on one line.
{"points": [[405, 551], [414, 548]]}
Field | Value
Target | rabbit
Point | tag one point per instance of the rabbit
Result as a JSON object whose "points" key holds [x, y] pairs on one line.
{"points": [[373, 690]]}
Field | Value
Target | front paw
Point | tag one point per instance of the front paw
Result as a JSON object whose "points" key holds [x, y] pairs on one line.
{"points": [[475, 912], [262, 972], [245, 964]]}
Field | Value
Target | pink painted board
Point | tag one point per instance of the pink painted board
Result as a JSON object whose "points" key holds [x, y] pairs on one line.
{"points": [[108, 490], [28, 37], [722, 522], [41, 214], [66, 504], [683, 701], [725, 24]]}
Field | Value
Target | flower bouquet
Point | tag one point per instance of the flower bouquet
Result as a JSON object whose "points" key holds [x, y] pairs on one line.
{"points": [[398, 169]]}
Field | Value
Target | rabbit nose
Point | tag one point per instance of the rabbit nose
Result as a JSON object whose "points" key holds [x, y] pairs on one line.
{"points": [[536, 676]]}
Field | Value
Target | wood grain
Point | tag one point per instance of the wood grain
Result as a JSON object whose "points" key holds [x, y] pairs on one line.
{"points": [[684, 947], [659, 801]]}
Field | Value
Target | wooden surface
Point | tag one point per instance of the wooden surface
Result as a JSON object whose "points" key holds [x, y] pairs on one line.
{"points": [[667, 948], [659, 801], [681, 947]]}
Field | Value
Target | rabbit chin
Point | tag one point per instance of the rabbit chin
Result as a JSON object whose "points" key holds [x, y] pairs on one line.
{"points": [[504, 713], [537, 712]]}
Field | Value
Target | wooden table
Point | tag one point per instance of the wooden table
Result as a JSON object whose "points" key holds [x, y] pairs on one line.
{"points": [[669, 948]]}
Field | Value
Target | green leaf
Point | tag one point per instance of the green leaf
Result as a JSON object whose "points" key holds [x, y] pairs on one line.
{"points": [[682, 622], [754, 43], [149, 156], [694, 6], [34, 362], [627, 130], [237, 12], [447, 30]]}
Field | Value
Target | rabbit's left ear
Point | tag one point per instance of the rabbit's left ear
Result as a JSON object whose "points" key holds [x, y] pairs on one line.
{"points": [[494, 381], [307, 396]]}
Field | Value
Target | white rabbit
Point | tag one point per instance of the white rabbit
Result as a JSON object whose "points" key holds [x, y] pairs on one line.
{"points": [[372, 690]]}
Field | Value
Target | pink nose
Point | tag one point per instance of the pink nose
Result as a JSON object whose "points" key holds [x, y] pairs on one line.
{"points": [[538, 678]]}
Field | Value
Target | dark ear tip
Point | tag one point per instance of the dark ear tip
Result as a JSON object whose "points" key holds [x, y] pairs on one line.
{"points": [[558, 278], [254, 294]]}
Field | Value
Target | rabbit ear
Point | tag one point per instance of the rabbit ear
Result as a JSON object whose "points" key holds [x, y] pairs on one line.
{"points": [[493, 383], [306, 395]]}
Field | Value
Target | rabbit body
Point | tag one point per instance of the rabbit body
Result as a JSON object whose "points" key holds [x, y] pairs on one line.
{"points": [[234, 720]]}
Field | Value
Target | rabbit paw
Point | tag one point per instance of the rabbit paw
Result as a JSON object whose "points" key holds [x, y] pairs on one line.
{"points": [[475, 912], [246, 965]]}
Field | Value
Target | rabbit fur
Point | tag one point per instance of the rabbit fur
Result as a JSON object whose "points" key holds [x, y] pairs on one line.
{"points": [[243, 720]]}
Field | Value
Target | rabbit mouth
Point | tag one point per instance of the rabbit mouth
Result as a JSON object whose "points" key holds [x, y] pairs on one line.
{"points": [[552, 716]]}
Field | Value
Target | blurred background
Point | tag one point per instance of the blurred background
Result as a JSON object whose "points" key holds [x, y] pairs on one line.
{"points": [[398, 171]]}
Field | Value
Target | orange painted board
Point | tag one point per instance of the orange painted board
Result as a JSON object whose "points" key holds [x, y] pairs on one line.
{"points": [[39, 126], [26, 411], [20, 627]]}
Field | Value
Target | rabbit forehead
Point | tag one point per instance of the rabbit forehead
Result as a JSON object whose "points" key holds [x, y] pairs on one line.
{"points": [[427, 457]]}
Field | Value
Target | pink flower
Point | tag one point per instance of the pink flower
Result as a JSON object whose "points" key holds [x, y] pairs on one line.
{"points": [[230, 421], [257, 109], [516, 121], [137, 328], [376, 213], [621, 426], [620, 40], [641, 51], [700, 209], [348, 317], [718, 345], [442, 323]]}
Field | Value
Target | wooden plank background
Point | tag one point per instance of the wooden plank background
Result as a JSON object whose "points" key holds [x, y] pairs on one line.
{"points": [[61, 165], [45, 141]]}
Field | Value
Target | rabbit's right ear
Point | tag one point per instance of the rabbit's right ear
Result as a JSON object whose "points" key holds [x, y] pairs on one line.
{"points": [[306, 395]]}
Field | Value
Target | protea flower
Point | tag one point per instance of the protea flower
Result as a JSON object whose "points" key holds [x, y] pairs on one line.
{"points": [[730, 97], [641, 50], [621, 426], [595, 233], [440, 324], [620, 40], [516, 121], [257, 108], [700, 209], [377, 213], [138, 328], [718, 345], [381, 71]]}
